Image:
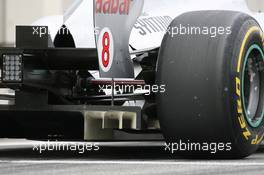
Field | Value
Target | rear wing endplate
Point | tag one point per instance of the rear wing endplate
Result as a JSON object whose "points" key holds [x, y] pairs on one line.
{"points": [[114, 21]]}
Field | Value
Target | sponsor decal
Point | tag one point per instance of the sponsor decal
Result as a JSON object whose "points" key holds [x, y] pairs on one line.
{"points": [[120, 7], [153, 24]]}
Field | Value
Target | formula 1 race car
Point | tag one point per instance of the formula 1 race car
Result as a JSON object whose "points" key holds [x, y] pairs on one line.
{"points": [[188, 72]]}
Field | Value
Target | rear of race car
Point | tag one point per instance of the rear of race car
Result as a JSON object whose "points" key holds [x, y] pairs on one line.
{"points": [[198, 91]]}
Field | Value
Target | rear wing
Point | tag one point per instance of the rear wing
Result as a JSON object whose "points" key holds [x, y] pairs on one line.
{"points": [[114, 21]]}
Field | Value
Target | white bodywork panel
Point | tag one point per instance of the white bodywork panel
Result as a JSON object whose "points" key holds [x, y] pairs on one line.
{"points": [[81, 24], [80, 20], [174, 8]]}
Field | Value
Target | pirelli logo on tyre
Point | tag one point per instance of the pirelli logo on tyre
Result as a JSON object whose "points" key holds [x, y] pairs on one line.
{"points": [[241, 118], [248, 133]]}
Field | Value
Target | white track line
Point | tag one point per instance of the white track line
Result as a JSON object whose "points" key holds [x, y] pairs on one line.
{"points": [[134, 163]]}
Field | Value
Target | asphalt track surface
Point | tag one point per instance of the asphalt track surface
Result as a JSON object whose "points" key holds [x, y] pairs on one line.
{"points": [[130, 158]]}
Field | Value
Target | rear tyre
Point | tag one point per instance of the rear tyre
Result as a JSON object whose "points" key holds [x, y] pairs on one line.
{"points": [[213, 105]]}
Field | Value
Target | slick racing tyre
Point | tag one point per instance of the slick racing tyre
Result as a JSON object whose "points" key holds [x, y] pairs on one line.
{"points": [[212, 64]]}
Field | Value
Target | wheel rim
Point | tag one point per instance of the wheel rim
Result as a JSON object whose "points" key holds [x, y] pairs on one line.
{"points": [[252, 86]]}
